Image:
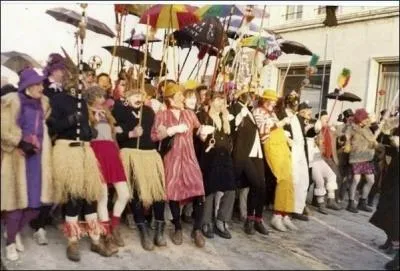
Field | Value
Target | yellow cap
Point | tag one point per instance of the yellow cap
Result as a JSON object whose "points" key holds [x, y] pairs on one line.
{"points": [[171, 89], [191, 84], [270, 94]]}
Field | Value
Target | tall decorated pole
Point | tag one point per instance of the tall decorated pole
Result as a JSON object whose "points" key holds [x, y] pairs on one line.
{"points": [[82, 35]]}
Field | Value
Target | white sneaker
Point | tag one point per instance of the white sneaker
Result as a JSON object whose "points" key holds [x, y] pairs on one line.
{"points": [[18, 243], [277, 223], [289, 224], [40, 237], [11, 252]]}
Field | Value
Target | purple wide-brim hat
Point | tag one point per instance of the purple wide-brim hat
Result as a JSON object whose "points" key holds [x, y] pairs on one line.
{"points": [[29, 77]]}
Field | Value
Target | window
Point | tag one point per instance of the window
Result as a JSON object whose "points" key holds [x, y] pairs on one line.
{"points": [[294, 12], [321, 10], [388, 84], [311, 93]]}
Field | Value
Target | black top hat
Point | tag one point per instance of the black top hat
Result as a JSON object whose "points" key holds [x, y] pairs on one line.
{"points": [[323, 113], [348, 113], [304, 105]]}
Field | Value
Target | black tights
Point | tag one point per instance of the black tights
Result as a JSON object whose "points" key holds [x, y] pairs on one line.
{"points": [[43, 218], [198, 209], [254, 172], [138, 211], [74, 207]]}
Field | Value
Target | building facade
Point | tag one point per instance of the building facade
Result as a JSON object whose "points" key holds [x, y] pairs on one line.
{"points": [[366, 41]]}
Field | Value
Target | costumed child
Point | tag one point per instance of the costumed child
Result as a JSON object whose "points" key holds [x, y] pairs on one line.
{"points": [[26, 177], [217, 166], [77, 177], [278, 157], [107, 153], [184, 181], [143, 166]]}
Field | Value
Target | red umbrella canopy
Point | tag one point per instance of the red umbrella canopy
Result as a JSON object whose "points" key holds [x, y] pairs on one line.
{"points": [[169, 16]]}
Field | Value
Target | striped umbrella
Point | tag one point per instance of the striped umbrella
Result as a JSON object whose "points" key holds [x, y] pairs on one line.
{"points": [[217, 11], [169, 16]]}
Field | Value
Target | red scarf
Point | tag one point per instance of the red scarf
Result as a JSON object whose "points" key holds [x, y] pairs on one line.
{"points": [[327, 142]]}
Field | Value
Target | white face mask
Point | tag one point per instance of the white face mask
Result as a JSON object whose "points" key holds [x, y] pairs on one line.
{"points": [[136, 100], [191, 102]]}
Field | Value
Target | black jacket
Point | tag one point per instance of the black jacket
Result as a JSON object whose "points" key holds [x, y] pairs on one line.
{"points": [[127, 121], [64, 105], [48, 91], [243, 137]]}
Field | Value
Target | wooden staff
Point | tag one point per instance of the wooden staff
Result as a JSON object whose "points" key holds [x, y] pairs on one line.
{"points": [[205, 70], [116, 41], [184, 62], [143, 76]]}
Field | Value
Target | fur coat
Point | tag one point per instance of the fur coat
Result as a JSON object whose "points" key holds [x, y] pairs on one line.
{"points": [[363, 144], [14, 194]]}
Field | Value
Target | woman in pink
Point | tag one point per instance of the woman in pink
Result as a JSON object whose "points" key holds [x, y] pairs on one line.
{"points": [[184, 181]]}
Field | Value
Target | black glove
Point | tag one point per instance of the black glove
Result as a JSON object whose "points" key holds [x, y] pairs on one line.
{"points": [[74, 118], [27, 148]]}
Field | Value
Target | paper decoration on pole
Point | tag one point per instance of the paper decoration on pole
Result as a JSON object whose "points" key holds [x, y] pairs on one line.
{"points": [[330, 19], [344, 78], [95, 62]]}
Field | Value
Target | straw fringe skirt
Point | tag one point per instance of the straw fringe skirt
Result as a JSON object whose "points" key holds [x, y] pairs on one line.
{"points": [[144, 170], [76, 172]]}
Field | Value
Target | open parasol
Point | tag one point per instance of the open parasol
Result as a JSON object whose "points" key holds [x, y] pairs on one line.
{"points": [[217, 11], [74, 18], [133, 9], [17, 61], [343, 96], [169, 16], [135, 56], [139, 40], [294, 47]]}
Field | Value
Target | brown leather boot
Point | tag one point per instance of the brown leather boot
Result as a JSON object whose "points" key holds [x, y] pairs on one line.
{"points": [[73, 252], [100, 248], [110, 244], [198, 238], [177, 237], [116, 233]]}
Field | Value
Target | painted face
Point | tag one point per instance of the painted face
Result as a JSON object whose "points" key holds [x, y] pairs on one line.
{"points": [[35, 91], [136, 100], [191, 102], [269, 105], [178, 100]]}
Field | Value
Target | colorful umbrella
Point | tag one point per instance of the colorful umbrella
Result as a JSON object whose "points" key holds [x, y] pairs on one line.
{"points": [[133, 9], [74, 18], [255, 42], [139, 40], [169, 16], [217, 11]]}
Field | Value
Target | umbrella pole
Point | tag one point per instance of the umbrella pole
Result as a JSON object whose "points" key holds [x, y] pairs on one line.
{"points": [[143, 76], [197, 63], [205, 70], [323, 72], [284, 78], [184, 62], [116, 41], [165, 47], [198, 70]]}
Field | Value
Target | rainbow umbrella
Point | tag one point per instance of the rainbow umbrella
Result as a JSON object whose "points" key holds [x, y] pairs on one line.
{"points": [[218, 11], [255, 42], [169, 16]]}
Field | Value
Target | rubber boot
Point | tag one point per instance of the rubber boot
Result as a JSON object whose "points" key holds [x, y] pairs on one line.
{"points": [[249, 227], [159, 238], [352, 207], [362, 205], [145, 239]]}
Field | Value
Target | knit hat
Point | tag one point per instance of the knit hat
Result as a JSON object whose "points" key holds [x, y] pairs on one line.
{"points": [[172, 89], [55, 62], [360, 115], [270, 95], [29, 77], [319, 115], [92, 93]]}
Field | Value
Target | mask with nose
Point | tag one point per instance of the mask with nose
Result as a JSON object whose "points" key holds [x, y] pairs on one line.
{"points": [[136, 100]]}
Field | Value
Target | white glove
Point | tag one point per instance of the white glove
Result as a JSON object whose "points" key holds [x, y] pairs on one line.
{"points": [[287, 134], [230, 117], [118, 130], [244, 111], [318, 126], [177, 129], [206, 130]]}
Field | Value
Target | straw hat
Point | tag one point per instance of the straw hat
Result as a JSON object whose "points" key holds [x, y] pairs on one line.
{"points": [[172, 88], [244, 90], [270, 94]]}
